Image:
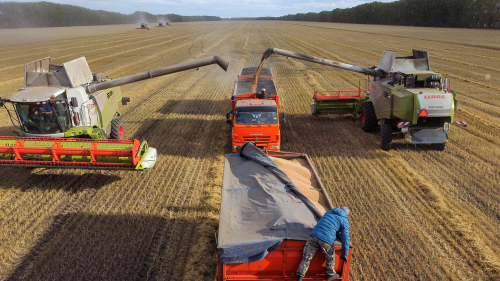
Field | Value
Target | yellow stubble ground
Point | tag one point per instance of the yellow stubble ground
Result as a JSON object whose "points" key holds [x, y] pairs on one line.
{"points": [[417, 213]]}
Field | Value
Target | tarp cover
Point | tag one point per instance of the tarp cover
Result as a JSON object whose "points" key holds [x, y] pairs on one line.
{"points": [[260, 207]]}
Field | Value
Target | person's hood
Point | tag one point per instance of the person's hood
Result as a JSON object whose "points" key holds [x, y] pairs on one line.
{"points": [[339, 212]]}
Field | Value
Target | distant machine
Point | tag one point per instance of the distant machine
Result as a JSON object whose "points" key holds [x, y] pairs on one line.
{"points": [[160, 24], [143, 26]]}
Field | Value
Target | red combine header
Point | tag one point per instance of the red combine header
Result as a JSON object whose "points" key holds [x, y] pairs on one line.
{"points": [[76, 153]]}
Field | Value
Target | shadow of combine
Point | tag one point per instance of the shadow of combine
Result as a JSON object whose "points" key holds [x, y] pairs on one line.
{"points": [[73, 183], [195, 107], [338, 135], [85, 246], [185, 136], [333, 135]]}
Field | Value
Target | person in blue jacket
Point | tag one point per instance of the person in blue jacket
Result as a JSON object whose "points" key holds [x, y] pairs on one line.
{"points": [[333, 223]]}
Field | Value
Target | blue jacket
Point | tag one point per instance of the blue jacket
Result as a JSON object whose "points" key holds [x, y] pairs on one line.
{"points": [[333, 222]]}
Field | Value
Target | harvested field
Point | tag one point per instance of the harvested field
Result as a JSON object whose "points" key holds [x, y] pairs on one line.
{"points": [[417, 213]]}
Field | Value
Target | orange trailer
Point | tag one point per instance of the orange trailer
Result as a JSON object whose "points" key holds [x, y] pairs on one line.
{"points": [[282, 263], [277, 262]]}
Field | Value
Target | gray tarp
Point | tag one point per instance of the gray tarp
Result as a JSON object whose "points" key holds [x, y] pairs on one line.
{"points": [[260, 207]]}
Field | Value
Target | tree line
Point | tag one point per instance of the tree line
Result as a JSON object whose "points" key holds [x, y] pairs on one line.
{"points": [[436, 13], [46, 14]]}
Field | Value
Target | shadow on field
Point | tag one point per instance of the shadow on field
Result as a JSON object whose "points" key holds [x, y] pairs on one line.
{"points": [[334, 135], [85, 246], [188, 137], [22, 179], [195, 107], [338, 135]]}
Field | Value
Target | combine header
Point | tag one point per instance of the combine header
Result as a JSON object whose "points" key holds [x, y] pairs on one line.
{"points": [[143, 26], [64, 114], [76, 153], [404, 97]]}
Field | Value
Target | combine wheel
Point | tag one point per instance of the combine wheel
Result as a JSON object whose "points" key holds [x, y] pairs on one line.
{"points": [[385, 136], [117, 129], [368, 117], [440, 146]]}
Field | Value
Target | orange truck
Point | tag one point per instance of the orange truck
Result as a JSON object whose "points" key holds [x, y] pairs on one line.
{"points": [[255, 117]]}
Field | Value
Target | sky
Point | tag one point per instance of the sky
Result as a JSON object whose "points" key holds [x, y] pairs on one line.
{"points": [[222, 8]]}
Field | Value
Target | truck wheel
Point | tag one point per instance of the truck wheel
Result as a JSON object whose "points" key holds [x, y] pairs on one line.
{"points": [[440, 146], [368, 117], [385, 136], [117, 129]]}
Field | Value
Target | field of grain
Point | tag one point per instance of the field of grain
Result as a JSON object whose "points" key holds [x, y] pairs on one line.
{"points": [[417, 213]]}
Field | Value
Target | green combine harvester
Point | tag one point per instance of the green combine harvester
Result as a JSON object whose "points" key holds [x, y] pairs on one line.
{"points": [[404, 97], [68, 117]]}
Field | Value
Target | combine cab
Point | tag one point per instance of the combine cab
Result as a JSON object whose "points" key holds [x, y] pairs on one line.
{"points": [[259, 240], [143, 26], [255, 117], [64, 114]]}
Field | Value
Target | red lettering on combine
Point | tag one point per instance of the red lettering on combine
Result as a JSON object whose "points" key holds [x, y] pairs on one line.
{"points": [[426, 97]]}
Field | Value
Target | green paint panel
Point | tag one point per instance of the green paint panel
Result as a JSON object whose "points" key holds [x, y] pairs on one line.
{"points": [[402, 104]]}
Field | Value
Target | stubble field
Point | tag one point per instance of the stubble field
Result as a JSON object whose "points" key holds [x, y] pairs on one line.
{"points": [[417, 213]]}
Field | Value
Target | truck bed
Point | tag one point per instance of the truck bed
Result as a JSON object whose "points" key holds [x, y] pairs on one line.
{"points": [[283, 262], [245, 77]]}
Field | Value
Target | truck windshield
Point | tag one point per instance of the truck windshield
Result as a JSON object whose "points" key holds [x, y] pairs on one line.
{"points": [[256, 118], [49, 118]]}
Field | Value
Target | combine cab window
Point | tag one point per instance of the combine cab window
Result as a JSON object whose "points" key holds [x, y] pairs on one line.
{"points": [[49, 118], [256, 118]]}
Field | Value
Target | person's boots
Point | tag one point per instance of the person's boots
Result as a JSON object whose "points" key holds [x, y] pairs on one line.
{"points": [[333, 277], [299, 278]]}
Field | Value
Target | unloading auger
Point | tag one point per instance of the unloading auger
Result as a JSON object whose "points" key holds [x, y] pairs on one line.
{"points": [[66, 117]]}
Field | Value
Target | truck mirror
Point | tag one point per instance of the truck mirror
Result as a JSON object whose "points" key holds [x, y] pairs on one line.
{"points": [[283, 117], [74, 102], [125, 100]]}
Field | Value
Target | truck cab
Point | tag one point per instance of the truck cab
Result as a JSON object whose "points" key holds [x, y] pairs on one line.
{"points": [[255, 117]]}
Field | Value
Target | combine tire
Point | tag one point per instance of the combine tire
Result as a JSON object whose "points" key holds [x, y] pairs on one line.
{"points": [[385, 136], [368, 117], [117, 129], [440, 146]]}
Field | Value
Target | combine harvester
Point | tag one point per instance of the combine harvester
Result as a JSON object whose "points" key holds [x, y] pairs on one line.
{"points": [[143, 26], [160, 24], [255, 117], [269, 205], [405, 97], [65, 114]]}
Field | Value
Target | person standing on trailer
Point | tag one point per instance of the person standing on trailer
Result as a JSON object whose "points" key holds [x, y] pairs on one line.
{"points": [[263, 94], [333, 223]]}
